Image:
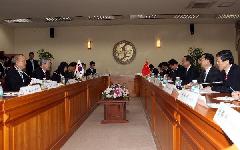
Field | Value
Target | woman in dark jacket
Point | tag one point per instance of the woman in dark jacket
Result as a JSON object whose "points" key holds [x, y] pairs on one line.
{"points": [[60, 72]]}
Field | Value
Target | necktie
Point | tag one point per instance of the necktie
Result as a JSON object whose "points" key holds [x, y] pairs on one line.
{"points": [[21, 74], [205, 76], [32, 65]]}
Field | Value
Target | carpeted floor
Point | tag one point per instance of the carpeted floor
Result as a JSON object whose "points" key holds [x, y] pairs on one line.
{"points": [[135, 135]]}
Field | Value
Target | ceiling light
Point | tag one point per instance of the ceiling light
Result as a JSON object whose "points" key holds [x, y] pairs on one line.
{"points": [[57, 19], [228, 16], [153, 16], [26, 20], [186, 16], [101, 17]]}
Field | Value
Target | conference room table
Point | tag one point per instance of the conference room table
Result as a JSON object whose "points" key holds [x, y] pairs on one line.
{"points": [[177, 126], [45, 120]]}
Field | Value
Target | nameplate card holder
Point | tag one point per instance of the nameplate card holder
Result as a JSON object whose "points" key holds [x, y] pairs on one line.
{"points": [[229, 119], [50, 85], [189, 98], [72, 81], [169, 88], [156, 82], [30, 89]]}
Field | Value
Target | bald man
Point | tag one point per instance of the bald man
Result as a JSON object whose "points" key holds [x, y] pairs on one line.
{"points": [[15, 76]]}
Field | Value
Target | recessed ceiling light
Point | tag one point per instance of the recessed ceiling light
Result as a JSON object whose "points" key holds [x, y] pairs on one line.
{"points": [[153, 16], [57, 19], [186, 16], [101, 17], [22, 20], [228, 16]]}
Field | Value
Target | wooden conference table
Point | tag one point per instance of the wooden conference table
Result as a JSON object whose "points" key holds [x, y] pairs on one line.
{"points": [[45, 120], [175, 125]]}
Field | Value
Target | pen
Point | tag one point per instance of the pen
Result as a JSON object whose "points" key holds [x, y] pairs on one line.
{"points": [[232, 89]]}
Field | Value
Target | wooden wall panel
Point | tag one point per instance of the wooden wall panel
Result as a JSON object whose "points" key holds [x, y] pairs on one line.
{"points": [[1, 126], [46, 128]]}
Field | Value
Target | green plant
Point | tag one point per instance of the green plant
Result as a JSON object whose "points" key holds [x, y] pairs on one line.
{"points": [[195, 53], [44, 54]]}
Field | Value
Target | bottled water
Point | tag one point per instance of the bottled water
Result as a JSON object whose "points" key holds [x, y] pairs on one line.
{"points": [[1, 90], [178, 83], [63, 80], [195, 86], [165, 80]]}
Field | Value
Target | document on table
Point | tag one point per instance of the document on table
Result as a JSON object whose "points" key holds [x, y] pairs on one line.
{"points": [[229, 119]]}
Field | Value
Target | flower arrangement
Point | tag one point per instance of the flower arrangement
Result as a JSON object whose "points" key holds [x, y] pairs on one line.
{"points": [[115, 91]]}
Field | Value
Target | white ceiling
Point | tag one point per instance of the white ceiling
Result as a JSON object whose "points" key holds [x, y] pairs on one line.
{"points": [[38, 9]]}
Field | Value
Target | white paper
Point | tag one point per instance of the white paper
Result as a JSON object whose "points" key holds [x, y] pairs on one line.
{"points": [[229, 119], [189, 98], [225, 98], [169, 88], [29, 89], [217, 105]]}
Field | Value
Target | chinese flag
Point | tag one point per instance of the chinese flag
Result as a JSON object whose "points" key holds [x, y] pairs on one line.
{"points": [[146, 70]]}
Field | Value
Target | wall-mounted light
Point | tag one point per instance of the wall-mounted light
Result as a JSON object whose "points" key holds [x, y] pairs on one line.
{"points": [[158, 43], [89, 44]]}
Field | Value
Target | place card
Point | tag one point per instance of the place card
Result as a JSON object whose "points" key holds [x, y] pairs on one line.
{"points": [[169, 88], [29, 89], [189, 98], [229, 119]]}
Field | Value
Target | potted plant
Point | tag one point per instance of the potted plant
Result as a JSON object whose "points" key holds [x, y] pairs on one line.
{"points": [[195, 53], [44, 54]]}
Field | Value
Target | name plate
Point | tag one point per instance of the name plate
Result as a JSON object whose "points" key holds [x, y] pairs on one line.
{"points": [[169, 88], [229, 119], [189, 98], [29, 89]]}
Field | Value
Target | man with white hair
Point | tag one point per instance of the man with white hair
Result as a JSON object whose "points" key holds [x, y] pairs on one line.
{"points": [[42, 72], [15, 76]]}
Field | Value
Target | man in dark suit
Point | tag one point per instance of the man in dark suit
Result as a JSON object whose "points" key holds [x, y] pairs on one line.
{"points": [[15, 76], [176, 70], [31, 64], [43, 72], [2, 68], [153, 70], [71, 70], [225, 62], [91, 70], [210, 73], [191, 72], [164, 69]]}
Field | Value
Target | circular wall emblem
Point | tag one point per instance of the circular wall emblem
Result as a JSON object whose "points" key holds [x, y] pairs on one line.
{"points": [[124, 52]]}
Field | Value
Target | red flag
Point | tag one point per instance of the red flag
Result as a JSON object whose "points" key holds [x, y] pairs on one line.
{"points": [[146, 70]]}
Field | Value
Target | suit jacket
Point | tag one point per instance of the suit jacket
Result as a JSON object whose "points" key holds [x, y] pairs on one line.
{"points": [[90, 71], [39, 74], [14, 81], [2, 71], [155, 71], [179, 72], [69, 75], [214, 75], [29, 67], [191, 74], [57, 76], [232, 81]]}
